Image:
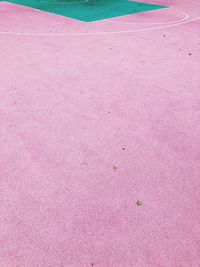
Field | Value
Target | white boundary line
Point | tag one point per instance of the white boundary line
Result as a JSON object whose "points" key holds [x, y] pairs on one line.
{"points": [[186, 16], [99, 33]]}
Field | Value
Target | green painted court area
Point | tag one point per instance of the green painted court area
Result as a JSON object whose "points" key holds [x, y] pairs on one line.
{"points": [[88, 10]]}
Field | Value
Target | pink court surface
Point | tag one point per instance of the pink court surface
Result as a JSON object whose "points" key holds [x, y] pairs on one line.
{"points": [[94, 117]]}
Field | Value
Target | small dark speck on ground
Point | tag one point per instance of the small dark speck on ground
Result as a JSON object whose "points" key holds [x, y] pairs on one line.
{"points": [[92, 264], [190, 54], [164, 35], [123, 148], [115, 168], [139, 202]]}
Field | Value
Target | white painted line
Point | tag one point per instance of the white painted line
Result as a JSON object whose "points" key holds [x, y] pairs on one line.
{"points": [[186, 16]]}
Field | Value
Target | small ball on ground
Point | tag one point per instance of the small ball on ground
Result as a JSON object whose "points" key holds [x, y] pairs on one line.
{"points": [[139, 202]]}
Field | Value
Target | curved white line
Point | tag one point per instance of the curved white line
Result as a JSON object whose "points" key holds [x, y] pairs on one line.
{"points": [[186, 16], [100, 33]]}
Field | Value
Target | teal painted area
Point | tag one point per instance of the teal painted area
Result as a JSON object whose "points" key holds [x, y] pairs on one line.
{"points": [[88, 11]]}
